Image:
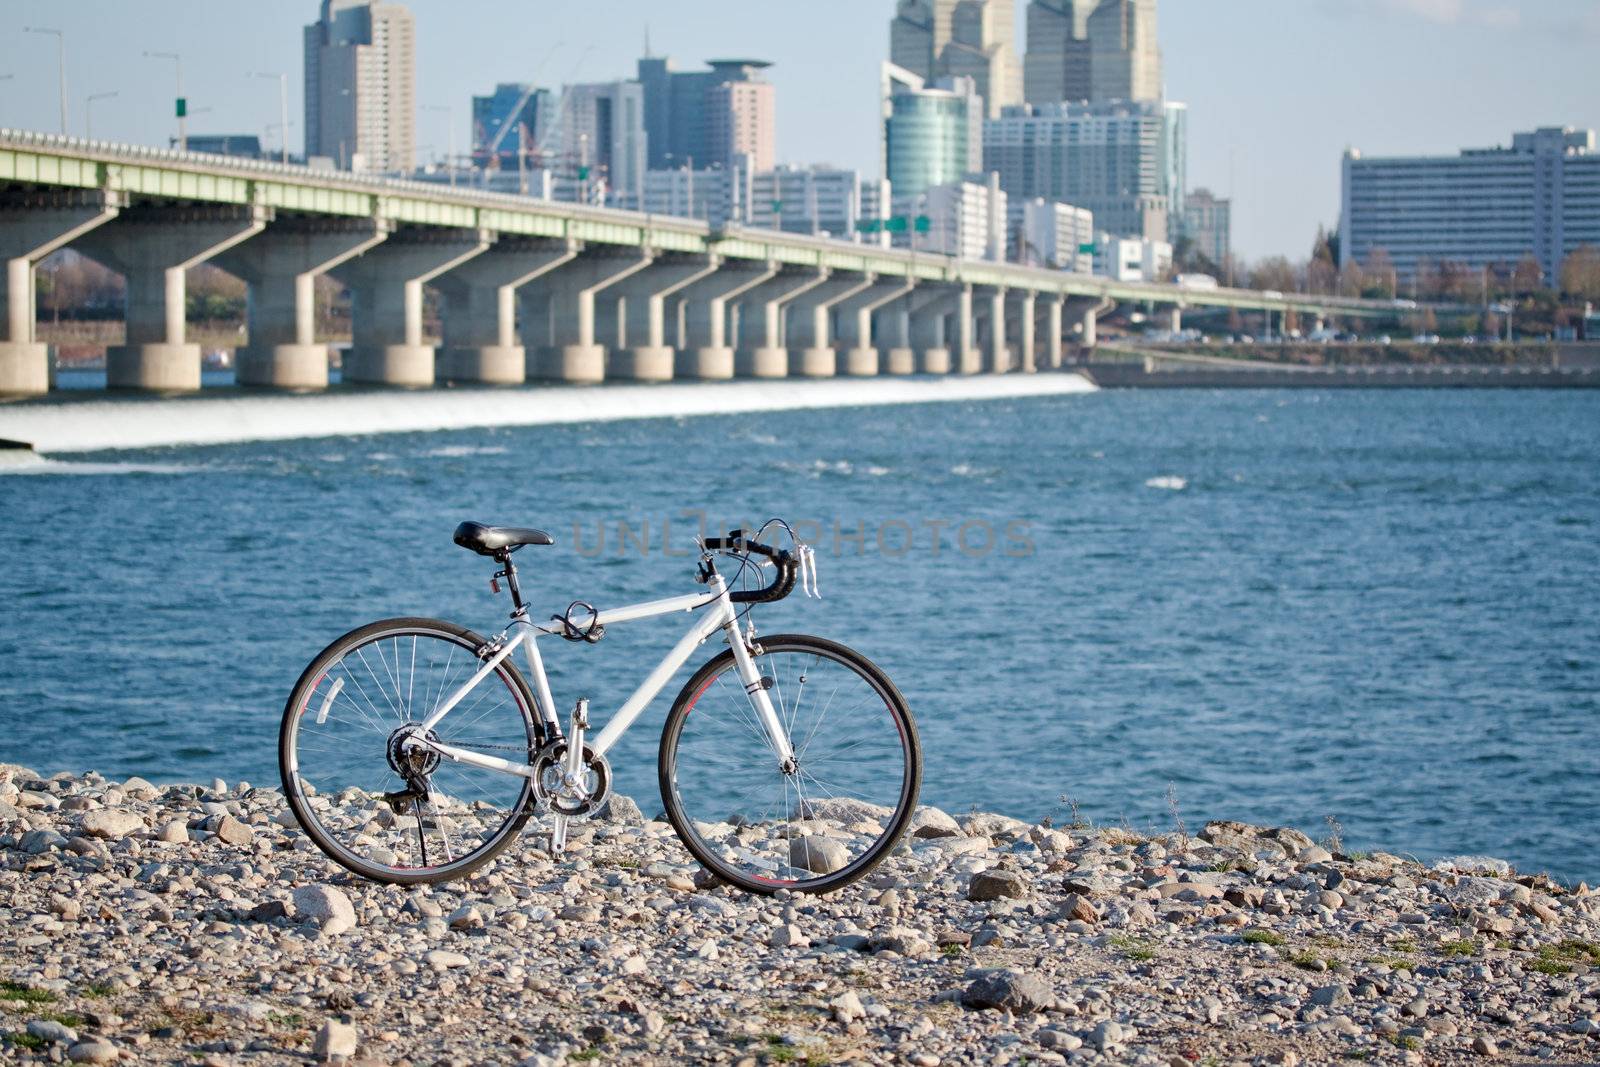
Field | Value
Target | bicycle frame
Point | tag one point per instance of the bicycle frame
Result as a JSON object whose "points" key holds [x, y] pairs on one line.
{"points": [[526, 635]]}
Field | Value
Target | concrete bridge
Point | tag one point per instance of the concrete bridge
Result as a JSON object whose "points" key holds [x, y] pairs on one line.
{"points": [[531, 289]]}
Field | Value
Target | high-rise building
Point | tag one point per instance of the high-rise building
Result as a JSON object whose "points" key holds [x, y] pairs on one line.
{"points": [[717, 195], [1208, 224], [1092, 50], [360, 92], [965, 219], [741, 121], [509, 120], [1487, 207], [1045, 233], [600, 137], [709, 116], [975, 39], [932, 132], [815, 200], [1175, 157], [1112, 158], [1130, 259]]}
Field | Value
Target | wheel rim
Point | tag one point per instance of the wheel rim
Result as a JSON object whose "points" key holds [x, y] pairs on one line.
{"points": [[822, 820], [396, 811]]}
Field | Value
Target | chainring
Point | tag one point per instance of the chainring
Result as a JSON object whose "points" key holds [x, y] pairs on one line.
{"points": [[549, 768]]}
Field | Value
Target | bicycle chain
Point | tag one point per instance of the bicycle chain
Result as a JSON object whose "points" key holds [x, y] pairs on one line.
{"points": [[524, 749]]}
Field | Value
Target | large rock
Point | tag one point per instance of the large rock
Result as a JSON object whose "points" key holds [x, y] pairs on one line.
{"points": [[94, 1050], [233, 831], [620, 808], [819, 855], [1013, 991], [112, 824], [52, 1032], [845, 811], [999, 827], [993, 885], [932, 822], [336, 1040], [327, 906]]}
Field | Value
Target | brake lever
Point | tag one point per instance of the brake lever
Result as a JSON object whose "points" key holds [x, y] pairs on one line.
{"points": [[808, 572]]}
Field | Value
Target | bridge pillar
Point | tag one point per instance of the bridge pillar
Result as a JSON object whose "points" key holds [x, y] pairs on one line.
{"points": [[152, 248], [1026, 316], [855, 324], [648, 357], [480, 308], [967, 357], [562, 308], [1173, 319], [762, 353], [1052, 331], [928, 313], [894, 333], [280, 267], [993, 319], [705, 352], [1082, 315], [30, 229], [811, 352], [386, 302]]}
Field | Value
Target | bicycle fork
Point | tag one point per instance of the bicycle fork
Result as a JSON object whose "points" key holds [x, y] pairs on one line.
{"points": [[756, 686]]}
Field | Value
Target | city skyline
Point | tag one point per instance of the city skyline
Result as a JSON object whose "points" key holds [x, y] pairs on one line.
{"points": [[1262, 131]]}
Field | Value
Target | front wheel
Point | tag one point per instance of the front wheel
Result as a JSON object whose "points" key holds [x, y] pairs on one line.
{"points": [[826, 819]]}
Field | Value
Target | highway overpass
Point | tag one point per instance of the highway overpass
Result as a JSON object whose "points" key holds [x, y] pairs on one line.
{"points": [[532, 289]]}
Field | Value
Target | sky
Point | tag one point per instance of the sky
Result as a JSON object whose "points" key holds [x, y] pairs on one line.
{"points": [[1277, 89]]}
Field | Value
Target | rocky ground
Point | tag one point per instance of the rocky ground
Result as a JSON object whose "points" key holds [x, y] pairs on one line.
{"points": [[196, 925]]}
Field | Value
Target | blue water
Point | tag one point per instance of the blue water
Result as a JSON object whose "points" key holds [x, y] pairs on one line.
{"points": [[1372, 606]]}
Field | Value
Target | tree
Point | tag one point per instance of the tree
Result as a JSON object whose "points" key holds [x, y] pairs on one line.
{"points": [[1528, 276], [1275, 273], [1580, 274], [1352, 279], [1380, 271], [1322, 273]]}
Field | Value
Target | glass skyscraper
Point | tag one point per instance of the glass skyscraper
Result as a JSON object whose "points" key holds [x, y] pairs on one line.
{"points": [[932, 134]]}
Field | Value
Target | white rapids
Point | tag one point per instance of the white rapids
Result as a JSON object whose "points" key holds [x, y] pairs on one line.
{"points": [[107, 422]]}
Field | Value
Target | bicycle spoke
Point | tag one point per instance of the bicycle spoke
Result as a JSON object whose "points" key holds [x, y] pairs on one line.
{"points": [[439, 814], [764, 824]]}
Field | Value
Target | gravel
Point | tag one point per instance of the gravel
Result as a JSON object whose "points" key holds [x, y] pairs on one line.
{"points": [[143, 925]]}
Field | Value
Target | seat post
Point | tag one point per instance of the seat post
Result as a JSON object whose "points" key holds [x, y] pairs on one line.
{"points": [[510, 575]]}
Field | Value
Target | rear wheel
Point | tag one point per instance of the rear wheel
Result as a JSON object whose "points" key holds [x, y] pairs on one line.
{"points": [[395, 812], [818, 824]]}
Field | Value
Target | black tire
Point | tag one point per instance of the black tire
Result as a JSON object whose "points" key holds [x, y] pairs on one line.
{"points": [[522, 705], [896, 822]]}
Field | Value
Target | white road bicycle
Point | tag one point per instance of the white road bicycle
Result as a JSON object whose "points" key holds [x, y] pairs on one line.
{"points": [[412, 750]]}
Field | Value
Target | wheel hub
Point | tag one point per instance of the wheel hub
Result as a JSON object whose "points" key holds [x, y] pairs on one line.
{"points": [[412, 763]]}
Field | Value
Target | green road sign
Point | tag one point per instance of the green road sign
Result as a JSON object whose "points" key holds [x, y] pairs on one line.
{"points": [[923, 224], [1088, 249], [868, 225], [583, 174], [896, 224], [183, 106]]}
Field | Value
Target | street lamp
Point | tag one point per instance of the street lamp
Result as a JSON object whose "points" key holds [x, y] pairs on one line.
{"points": [[450, 120], [61, 66], [283, 111], [88, 112], [181, 106]]}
